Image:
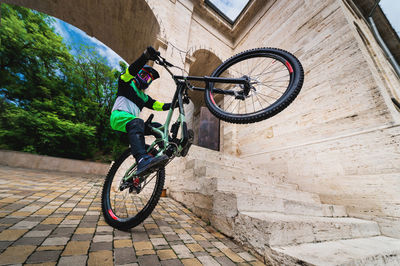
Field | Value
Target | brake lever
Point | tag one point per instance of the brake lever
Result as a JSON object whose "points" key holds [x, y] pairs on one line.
{"points": [[162, 61]]}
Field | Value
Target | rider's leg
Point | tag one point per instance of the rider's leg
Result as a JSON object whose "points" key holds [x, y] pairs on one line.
{"points": [[148, 132], [136, 130]]}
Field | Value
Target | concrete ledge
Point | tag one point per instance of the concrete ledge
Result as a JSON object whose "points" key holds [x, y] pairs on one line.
{"points": [[32, 161]]}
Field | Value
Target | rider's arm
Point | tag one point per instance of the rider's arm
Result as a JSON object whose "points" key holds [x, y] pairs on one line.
{"points": [[136, 66], [156, 105]]}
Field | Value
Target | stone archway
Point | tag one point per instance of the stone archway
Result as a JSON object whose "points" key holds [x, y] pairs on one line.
{"points": [[126, 26], [205, 126]]}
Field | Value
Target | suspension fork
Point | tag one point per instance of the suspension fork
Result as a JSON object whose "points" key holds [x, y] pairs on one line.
{"points": [[182, 120]]}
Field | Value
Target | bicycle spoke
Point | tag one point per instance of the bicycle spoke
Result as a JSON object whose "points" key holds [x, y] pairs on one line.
{"points": [[273, 88], [267, 96], [260, 101], [252, 98]]}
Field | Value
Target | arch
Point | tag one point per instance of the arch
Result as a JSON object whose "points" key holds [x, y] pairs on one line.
{"points": [[126, 26], [203, 63]]}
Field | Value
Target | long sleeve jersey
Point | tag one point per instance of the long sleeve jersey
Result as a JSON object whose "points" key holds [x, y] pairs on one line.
{"points": [[131, 99]]}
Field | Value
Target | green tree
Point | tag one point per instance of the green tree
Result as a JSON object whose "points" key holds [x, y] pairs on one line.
{"points": [[50, 101], [96, 92]]}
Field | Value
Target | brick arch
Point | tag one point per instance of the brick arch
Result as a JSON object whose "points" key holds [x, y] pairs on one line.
{"points": [[126, 26]]}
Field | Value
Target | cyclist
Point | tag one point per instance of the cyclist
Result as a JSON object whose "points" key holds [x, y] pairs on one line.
{"points": [[131, 98]]}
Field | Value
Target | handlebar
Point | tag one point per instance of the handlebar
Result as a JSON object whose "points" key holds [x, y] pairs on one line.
{"points": [[163, 62]]}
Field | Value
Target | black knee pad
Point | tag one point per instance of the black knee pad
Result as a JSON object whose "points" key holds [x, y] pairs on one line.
{"points": [[135, 126]]}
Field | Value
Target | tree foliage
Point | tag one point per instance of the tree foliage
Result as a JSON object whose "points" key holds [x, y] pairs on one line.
{"points": [[52, 102]]}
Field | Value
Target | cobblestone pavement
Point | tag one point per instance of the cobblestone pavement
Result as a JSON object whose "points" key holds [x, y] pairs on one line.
{"points": [[53, 218]]}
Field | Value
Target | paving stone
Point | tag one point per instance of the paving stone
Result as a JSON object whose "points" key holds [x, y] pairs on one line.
{"points": [[140, 236], [123, 256], [55, 241], [195, 247], [145, 252], [104, 229], [142, 245], [166, 254], [158, 241], [224, 261], [81, 237], [52, 221], [62, 232], [148, 260], [182, 251], [72, 260], [44, 256], [102, 238], [101, 246], [122, 235], [174, 262], [191, 262], [12, 234], [232, 255], [207, 260], [29, 241], [174, 237], [42, 248], [10, 220], [16, 254], [4, 245], [76, 248], [81, 230], [88, 224], [35, 233], [103, 257], [122, 243], [44, 227]]}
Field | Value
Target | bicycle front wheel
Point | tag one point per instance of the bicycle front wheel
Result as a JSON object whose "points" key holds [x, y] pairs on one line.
{"points": [[274, 76], [124, 207]]}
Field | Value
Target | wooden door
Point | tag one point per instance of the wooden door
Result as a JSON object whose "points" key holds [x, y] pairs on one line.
{"points": [[208, 130]]}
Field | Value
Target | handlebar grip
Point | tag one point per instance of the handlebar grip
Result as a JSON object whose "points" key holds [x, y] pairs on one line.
{"points": [[148, 121]]}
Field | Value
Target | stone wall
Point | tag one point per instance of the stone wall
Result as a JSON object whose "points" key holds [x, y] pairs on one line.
{"points": [[341, 136], [33, 161]]}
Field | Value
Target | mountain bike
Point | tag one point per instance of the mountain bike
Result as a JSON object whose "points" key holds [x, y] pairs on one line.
{"points": [[249, 87]]}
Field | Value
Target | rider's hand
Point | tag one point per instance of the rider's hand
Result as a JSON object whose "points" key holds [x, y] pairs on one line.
{"points": [[151, 53]]}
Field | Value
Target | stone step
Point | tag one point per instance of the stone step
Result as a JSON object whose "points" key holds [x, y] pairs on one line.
{"points": [[379, 250], [264, 203], [245, 177], [208, 155], [190, 180], [242, 172], [276, 229]]}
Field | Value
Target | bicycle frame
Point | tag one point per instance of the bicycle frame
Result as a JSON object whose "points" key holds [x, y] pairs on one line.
{"points": [[182, 86]]}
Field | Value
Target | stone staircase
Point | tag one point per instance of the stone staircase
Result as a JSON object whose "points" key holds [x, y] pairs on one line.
{"points": [[255, 205]]}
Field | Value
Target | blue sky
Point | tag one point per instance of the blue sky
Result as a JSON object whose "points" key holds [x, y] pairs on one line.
{"points": [[391, 8], [231, 9], [74, 37]]}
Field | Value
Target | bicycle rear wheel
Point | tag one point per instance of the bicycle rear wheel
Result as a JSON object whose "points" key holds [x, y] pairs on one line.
{"points": [[124, 209], [275, 78]]}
